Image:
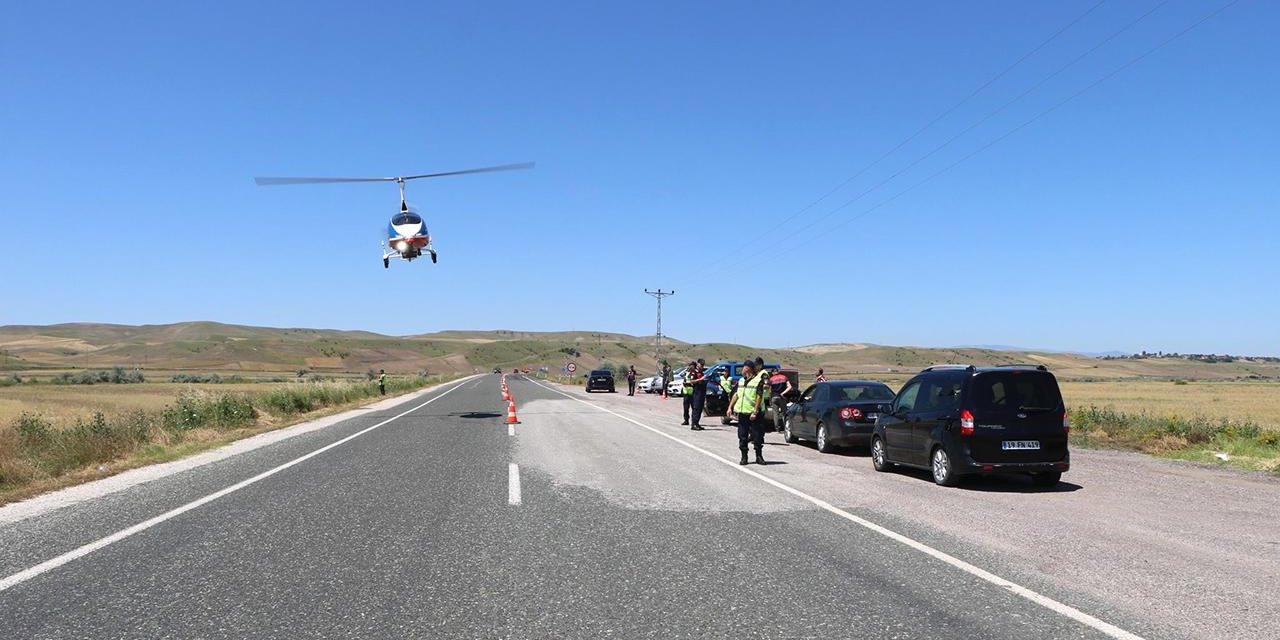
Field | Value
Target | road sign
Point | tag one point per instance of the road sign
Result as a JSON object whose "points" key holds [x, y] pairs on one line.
{"points": [[571, 367]]}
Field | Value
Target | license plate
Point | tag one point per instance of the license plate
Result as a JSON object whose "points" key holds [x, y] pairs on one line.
{"points": [[1020, 444], [872, 416]]}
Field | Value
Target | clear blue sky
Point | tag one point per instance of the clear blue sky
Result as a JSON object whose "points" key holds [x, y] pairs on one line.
{"points": [[668, 137]]}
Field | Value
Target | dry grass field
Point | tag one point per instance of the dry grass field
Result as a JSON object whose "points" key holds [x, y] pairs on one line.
{"points": [[1240, 401], [67, 403]]}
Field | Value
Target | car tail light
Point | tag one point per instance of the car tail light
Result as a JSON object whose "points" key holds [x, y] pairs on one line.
{"points": [[850, 413], [1066, 422], [966, 423]]}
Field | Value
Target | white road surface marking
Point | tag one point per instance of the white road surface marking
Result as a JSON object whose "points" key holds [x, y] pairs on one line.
{"points": [[1036, 597], [511, 429], [513, 484], [58, 561]]}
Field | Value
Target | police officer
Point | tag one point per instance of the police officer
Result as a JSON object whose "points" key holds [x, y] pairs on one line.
{"points": [[746, 405], [631, 380], [779, 387], [382, 382], [686, 391], [696, 387]]}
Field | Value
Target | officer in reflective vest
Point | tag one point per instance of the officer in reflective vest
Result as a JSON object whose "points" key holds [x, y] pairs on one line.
{"points": [[746, 405]]}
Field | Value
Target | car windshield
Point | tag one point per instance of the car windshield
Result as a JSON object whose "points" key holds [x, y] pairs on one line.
{"points": [[1015, 391], [862, 392]]}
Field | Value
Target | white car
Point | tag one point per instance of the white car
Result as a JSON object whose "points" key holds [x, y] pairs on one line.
{"points": [[676, 388], [652, 384]]}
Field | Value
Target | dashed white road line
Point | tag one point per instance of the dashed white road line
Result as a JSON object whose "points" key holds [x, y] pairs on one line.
{"points": [[79, 552], [1036, 597], [513, 484], [511, 429]]}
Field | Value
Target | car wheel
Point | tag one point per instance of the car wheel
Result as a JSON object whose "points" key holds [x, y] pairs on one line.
{"points": [[878, 459], [943, 471], [787, 434], [1047, 479], [824, 445]]}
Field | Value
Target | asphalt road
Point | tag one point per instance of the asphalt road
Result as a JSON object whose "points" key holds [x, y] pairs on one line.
{"points": [[589, 519]]}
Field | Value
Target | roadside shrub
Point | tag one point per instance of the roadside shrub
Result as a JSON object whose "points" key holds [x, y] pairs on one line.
{"points": [[196, 378], [10, 380], [32, 429], [1145, 432], [118, 375]]}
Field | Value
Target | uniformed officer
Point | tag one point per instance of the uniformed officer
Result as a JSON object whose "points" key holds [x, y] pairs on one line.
{"points": [[382, 382], [686, 390], [746, 405]]}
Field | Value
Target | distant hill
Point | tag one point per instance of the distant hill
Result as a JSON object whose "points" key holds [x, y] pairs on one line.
{"points": [[213, 346]]}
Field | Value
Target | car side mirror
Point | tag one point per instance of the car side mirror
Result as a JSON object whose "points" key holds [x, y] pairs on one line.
{"points": [[900, 412]]}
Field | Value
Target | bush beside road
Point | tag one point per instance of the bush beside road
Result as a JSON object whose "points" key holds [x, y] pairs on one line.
{"points": [[41, 451]]}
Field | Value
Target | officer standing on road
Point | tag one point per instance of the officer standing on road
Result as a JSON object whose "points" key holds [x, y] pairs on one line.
{"points": [[382, 382], [666, 378], [779, 387], [696, 390], [686, 391], [821, 377], [631, 380], [746, 404]]}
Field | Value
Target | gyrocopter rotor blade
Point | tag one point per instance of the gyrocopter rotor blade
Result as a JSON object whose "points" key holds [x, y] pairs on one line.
{"points": [[503, 167], [264, 181]]}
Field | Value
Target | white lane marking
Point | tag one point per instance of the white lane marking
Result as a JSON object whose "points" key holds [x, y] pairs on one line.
{"points": [[58, 561], [513, 484], [1036, 597], [511, 429]]}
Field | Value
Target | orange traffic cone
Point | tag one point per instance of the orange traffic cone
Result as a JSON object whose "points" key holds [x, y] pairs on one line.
{"points": [[511, 412], [506, 395]]}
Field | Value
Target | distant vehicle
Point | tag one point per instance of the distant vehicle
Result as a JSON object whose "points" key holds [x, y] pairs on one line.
{"points": [[654, 384], [676, 386], [497, 369], [717, 402], [837, 413], [600, 380], [956, 420], [407, 235]]}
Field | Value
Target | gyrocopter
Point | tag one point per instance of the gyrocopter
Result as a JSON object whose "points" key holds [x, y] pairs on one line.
{"points": [[407, 236]]}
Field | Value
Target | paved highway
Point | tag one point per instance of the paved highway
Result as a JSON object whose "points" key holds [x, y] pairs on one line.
{"points": [[432, 518]]}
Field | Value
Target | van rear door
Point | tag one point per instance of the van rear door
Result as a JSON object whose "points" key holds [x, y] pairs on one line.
{"points": [[1017, 416]]}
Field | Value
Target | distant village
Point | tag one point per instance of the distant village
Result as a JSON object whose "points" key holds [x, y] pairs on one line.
{"points": [[1198, 357]]}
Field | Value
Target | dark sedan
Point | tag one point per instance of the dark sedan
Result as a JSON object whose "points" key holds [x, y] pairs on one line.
{"points": [[600, 380], [837, 413]]}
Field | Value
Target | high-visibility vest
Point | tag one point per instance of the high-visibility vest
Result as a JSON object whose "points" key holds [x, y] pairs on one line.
{"points": [[726, 385], [748, 391]]}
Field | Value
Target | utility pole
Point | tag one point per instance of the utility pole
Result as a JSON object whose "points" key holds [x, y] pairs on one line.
{"points": [[657, 349]]}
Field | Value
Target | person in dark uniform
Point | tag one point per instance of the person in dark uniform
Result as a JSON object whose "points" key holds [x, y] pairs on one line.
{"points": [[631, 380], [696, 383], [745, 403], [686, 391]]}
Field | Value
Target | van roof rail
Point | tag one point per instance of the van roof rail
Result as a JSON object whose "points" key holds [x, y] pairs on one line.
{"points": [[1037, 367], [944, 367]]}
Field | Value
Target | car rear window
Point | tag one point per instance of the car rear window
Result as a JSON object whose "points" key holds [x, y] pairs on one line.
{"points": [[1015, 391], [601, 372], [863, 393]]}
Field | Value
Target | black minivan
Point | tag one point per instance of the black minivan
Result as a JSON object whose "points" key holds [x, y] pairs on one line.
{"points": [[956, 420]]}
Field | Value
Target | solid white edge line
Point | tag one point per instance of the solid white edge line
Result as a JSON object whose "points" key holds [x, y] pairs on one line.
{"points": [[58, 561], [513, 484], [1038, 598]]}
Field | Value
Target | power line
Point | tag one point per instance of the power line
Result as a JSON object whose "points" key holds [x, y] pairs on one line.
{"points": [[980, 121], [930, 123], [1040, 115]]}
